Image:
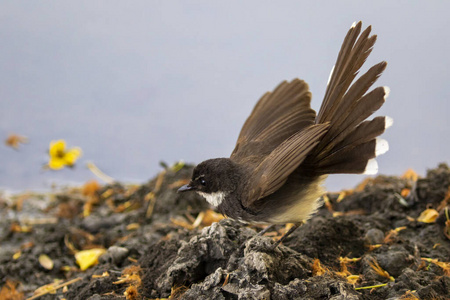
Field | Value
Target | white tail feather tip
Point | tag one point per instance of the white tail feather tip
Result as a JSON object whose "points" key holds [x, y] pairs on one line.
{"points": [[387, 90], [353, 25], [371, 167], [381, 146], [388, 121]]}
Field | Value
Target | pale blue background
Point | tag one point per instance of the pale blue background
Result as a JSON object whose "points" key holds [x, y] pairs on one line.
{"points": [[133, 83]]}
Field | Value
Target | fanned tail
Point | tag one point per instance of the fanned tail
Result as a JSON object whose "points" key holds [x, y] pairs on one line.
{"points": [[351, 143]]}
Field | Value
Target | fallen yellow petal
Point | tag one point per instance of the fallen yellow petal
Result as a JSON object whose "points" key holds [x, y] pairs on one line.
{"points": [[428, 216], [46, 262], [353, 279], [88, 258], [17, 255]]}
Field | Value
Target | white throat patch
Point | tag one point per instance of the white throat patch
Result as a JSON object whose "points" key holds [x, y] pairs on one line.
{"points": [[213, 198]]}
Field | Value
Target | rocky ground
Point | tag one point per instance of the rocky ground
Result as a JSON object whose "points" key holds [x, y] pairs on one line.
{"points": [[389, 238]]}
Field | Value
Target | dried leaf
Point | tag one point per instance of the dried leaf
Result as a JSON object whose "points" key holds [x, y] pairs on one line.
{"points": [[91, 188], [108, 193], [46, 262], [159, 181], [133, 226], [408, 295], [15, 140], [47, 289], [353, 279], [88, 258], [104, 274], [355, 212], [343, 194], [317, 269], [328, 204], [17, 255], [132, 276], [376, 267], [199, 219], [9, 291], [447, 224], [177, 291], [151, 199], [444, 265], [132, 293], [429, 215], [374, 247], [227, 278], [211, 217], [410, 174], [389, 238], [360, 187], [182, 223], [405, 193], [444, 203], [178, 166], [51, 288], [15, 227]]}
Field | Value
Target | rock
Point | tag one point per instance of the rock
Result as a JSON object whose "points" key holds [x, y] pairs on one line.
{"points": [[374, 236]]}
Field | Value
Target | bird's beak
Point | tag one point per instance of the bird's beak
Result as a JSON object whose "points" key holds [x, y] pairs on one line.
{"points": [[185, 188]]}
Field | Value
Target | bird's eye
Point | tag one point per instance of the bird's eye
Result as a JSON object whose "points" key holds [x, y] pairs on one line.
{"points": [[202, 181]]}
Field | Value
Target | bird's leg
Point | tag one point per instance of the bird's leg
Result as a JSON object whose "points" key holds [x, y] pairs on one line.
{"points": [[268, 228], [291, 230]]}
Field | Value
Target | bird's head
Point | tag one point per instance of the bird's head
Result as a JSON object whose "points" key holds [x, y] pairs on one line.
{"points": [[213, 179]]}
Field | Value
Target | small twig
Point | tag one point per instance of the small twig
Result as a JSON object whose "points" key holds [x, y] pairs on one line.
{"points": [[97, 172], [42, 221], [370, 287], [150, 197], [199, 219], [55, 288]]}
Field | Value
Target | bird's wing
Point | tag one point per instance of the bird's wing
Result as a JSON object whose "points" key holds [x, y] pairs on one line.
{"points": [[274, 170], [277, 116]]}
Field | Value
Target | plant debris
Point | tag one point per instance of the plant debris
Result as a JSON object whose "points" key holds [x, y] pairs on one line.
{"points": [[389, 238]]}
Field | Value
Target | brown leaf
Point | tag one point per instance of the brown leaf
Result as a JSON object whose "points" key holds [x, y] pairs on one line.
{"points": [[14, 141], [410, 174], [9, 291]]}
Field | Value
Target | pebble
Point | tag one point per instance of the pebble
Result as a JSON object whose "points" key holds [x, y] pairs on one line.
{"points": [[374, 236]]}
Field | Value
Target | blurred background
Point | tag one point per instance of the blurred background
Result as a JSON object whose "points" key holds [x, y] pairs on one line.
{"points": [[136, 83]]}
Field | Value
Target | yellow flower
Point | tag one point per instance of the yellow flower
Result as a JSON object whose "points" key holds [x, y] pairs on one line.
{"points": [[59, 157]]}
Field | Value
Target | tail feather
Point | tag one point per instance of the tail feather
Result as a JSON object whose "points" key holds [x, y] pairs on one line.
{"points": [[338, 68], [350, 59], [350, 111], [351, 143], [349, 158], [366, 131], [358, 89], [361, 110]]}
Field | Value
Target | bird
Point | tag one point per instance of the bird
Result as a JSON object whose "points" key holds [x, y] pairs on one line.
{"points": [[285, 151]]}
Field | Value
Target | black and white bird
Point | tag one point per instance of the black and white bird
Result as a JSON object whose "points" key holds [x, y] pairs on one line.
{"points": [[285, 151]]}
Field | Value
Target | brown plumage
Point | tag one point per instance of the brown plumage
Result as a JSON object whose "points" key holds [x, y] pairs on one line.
{"points": [[284, 151]]}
